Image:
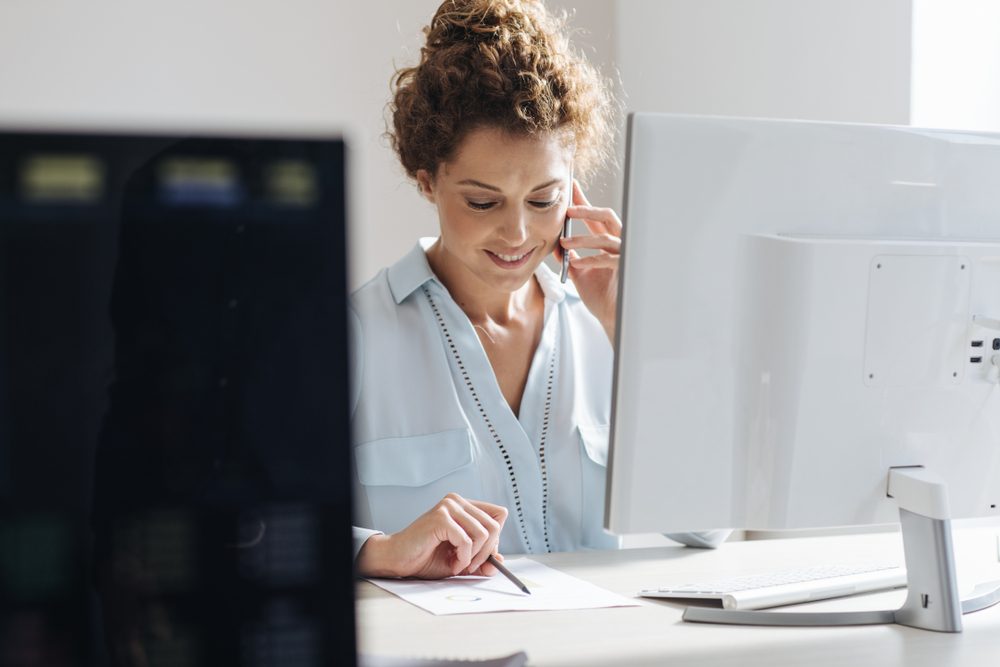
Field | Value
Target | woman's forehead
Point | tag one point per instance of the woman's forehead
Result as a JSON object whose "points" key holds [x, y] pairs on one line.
{"points": [[489, 154]]}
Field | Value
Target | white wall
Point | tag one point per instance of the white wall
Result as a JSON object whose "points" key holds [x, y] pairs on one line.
{"points": [[843, 60], [956, 64]]}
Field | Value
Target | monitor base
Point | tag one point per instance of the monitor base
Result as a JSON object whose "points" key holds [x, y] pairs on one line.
{"points": [[932, 602]]}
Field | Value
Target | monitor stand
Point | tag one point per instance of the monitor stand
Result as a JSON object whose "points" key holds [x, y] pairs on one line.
{"points": [[932, 601]]}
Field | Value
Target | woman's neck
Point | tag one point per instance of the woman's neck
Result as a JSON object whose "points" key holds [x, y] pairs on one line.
{"points": [[480, 303]]}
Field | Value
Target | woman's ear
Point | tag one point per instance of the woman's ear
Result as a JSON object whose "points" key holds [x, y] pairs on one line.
{"points": [[425, 183]]}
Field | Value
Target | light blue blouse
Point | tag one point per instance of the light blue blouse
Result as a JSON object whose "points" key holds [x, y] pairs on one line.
{"points": [[429, 417]]}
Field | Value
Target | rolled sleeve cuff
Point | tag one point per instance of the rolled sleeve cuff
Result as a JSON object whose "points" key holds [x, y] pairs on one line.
{"points": [[361, 536]]}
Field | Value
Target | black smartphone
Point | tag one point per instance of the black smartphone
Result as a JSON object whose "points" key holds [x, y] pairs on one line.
{"points": [[565, 253]]}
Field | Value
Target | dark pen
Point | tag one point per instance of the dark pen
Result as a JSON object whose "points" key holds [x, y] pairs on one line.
{"points": [[507, 573]]}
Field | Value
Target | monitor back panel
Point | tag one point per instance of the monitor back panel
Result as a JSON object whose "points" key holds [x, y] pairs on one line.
{"points": [[796, 316]]}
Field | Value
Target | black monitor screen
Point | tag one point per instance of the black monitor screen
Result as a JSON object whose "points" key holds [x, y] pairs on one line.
{"points": [[174, 472]]}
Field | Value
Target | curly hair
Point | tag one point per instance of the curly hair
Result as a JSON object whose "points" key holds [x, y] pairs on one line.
{"points": [[497, 63]]}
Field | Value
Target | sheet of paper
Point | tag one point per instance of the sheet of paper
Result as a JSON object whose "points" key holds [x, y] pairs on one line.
{"points": [[550, 589]]}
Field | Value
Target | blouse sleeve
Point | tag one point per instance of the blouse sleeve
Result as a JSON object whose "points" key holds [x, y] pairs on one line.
{"points": [[356, 356]]}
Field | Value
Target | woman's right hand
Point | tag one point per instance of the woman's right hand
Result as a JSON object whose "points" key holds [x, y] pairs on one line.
{"points": [[454, 537]]}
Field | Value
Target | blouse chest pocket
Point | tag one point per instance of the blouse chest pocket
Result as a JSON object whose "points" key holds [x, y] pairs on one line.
{"points": [[594, 472], [404, 477]]}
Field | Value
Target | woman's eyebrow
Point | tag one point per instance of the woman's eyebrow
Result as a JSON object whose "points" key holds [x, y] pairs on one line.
{"points": [[486, 186], [554, 181], [479, 184]]}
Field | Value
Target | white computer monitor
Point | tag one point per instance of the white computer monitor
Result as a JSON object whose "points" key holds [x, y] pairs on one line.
{"points": [[804, 308]]}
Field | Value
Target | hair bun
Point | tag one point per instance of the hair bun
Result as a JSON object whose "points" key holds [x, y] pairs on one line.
{"points": [[481, 20], [499, 63]]}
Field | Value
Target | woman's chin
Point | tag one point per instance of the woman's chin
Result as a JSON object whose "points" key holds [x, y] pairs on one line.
{"points": [[509, 281]]}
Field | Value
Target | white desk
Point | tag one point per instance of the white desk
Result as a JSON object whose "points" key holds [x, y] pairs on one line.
{"points": [[654, 634]]}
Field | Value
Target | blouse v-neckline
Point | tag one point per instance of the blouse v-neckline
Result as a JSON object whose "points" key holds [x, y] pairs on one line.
{"points": [[513, 435], [474, 354]]}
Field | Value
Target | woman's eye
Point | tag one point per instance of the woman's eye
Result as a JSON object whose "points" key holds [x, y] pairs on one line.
{"points": [[544, 204], [481, 205]]}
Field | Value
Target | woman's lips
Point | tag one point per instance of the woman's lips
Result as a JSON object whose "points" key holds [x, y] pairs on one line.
{"points": [[508, 263]]}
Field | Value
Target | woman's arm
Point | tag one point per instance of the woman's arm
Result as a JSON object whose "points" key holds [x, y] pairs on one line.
{"points": [[454, 537]]}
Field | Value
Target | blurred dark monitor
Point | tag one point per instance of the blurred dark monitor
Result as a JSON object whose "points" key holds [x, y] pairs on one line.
{"points": [[174, 429]]}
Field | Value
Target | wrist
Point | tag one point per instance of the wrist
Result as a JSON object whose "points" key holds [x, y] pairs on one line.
{"points": [[375, 559]]}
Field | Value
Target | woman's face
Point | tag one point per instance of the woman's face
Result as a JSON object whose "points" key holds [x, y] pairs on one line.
{"points": [[501, 203]]}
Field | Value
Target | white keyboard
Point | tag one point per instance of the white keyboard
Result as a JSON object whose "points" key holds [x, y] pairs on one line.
{"points": [[788, 587]]}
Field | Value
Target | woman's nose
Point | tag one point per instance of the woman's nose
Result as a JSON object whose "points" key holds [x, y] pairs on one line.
{"points": [[515, 229]]}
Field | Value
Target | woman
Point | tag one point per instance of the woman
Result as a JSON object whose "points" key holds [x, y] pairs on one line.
{"points": [[483, 382]]}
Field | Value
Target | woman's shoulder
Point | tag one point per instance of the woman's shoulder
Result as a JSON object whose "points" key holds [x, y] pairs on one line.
{"points": [[390, 289], [372, 293], [376, 313]]}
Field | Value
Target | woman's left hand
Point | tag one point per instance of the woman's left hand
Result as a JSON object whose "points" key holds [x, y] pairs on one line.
{"points": [[595, 276]]}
